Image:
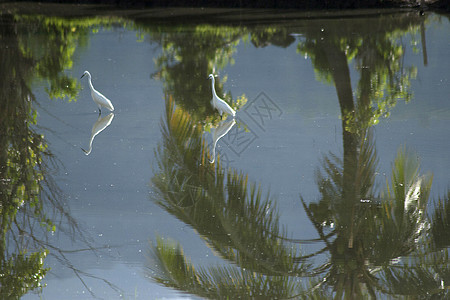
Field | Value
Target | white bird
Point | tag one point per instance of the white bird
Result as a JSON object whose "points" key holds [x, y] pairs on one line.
{"points": [[97, 96], [218, 103], [98, 127]]}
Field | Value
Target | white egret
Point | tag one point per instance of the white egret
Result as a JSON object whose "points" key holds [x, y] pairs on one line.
{"points": [[219, 132], [98, 127], [97, 96], [218, 103]]}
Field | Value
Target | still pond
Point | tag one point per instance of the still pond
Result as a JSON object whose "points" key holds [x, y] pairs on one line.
{"points": [[332, 180]]}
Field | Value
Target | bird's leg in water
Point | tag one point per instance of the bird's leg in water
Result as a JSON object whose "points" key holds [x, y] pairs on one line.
{"points": [[99, 111]]}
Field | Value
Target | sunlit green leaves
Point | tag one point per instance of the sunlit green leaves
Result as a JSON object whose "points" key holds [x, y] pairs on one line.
{"points": [[50, 42], [21, 273], [25, 186], [378, 57], [189, 55]]}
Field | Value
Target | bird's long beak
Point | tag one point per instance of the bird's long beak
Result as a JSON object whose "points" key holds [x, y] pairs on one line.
{"points": [[82, 75]]}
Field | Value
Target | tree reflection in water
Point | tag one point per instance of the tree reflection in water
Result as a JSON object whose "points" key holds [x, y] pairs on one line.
{"points": [[380, 242], [190, 52], [229, 213], [32, 206]]}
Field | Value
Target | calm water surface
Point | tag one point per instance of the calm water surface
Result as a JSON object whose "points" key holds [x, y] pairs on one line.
{"points": [[332, 180]]}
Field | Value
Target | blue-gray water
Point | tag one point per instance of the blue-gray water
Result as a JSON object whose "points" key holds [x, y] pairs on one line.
{"points": [[148, 176]]}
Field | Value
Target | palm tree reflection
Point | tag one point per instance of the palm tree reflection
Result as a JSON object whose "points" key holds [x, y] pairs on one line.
{"points": [[369, 233], [372, 231], [378, 242], [228, 212]]}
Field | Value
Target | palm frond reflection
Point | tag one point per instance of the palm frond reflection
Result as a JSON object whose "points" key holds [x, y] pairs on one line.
{"points": [[372, 239], [171, 268], [231, 214], [366, 232]]}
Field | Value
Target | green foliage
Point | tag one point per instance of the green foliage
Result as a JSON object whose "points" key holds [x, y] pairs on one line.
{"points": [[21, 273], [378, 57], [440, 228], [33, 47], [423, 276], [262, 36], [189, 55], [366, 232], [50, 42], [171, 268], [230, 214], [372, 231]]}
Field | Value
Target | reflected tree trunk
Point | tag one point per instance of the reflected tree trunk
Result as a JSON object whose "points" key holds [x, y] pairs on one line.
{"points": [[424, 43], [341, 76]]}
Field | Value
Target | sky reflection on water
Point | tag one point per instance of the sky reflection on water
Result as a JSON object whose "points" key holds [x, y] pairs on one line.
{"points": [[334, 168]]}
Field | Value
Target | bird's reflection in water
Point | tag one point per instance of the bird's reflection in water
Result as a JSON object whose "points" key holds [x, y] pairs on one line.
{"points": [[98, 127], [220, 131]]}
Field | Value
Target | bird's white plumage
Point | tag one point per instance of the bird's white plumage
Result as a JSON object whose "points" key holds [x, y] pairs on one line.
{"points": [[218, 103], [219, 132], [98, 127], [98, 97]]}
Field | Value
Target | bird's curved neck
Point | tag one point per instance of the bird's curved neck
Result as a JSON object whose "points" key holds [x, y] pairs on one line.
{"points": [[90, 82], [213, 88]]}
